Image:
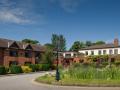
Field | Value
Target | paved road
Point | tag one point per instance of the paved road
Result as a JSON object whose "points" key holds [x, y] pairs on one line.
{"points": [[24, 82]]}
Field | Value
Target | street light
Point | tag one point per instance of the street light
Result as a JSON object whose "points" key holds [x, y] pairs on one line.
{"points": [[57, 68]]}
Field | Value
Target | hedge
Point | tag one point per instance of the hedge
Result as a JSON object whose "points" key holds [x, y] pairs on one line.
{"points": [[15, 69], [45, 67], [2, 70]]}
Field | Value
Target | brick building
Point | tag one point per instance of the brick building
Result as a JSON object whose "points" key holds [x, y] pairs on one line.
{"points": [[18, 53]]}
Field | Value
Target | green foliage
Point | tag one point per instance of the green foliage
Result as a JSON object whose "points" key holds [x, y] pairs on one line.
{"points": [[30, 41], [14, 69], [88, 43], [81, 72], [99, 43], [117, 63], [47, 57], [33, 67], [49, 46], [39, 67], [95, 57], [26, 69], [45, 67], [77, 45], [2, 70], [59, 42]]}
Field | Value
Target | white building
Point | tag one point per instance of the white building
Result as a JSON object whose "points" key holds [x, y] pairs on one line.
{"points": [[104, 49], [69, 54]]}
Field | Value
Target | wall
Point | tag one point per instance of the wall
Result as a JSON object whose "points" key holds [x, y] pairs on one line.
{"points": [[96, 51], [21, 59]]}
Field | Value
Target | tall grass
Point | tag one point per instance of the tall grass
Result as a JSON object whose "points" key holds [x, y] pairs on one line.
{"points": [[83, 72]]}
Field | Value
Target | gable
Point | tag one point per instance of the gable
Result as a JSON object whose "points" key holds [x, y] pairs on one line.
{"points": [[14, 45], [29, 47]]}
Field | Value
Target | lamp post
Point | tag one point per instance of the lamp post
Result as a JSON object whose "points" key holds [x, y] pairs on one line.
{"points": [[57, 69]]}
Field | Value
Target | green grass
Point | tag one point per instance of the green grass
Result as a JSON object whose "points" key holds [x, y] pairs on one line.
{"points": [[76, 82], [85, 76]]}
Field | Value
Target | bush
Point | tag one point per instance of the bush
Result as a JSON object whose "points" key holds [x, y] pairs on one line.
{"points": [[117, 63], [53, 67], [15, 69], [45, 67], [7, 69], [39, 66], [26, 69], [2, 70], [33, 67]]}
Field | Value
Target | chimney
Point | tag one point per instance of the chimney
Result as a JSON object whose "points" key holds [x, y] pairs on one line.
{"points": [[116, 42]]}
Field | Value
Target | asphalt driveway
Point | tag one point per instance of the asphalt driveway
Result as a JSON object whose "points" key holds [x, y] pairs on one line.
{"points": [[24, 82]]}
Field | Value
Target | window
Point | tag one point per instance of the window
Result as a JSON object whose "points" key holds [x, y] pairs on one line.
{"points": [[86, 53], [104, 51], [75, 55], [67, 55], [110, 52], [99, 52], [92, 52], [28, 54], [13, 53], [116, 51], [13, 63]]}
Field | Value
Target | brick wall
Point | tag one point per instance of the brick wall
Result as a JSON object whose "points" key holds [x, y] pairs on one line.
{"points": [[21, 59]]}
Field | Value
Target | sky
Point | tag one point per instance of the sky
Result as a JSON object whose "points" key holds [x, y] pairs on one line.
{"points": [[76, 19]]}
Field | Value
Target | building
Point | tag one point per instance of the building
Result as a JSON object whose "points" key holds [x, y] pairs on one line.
{"points": [[18, 53], [69, 57], [69, 54], [104, 49]]}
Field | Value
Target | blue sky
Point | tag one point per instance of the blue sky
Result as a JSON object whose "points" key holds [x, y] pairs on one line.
{"points": [[75, 19]]}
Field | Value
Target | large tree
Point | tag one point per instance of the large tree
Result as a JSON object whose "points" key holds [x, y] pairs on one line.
{"points": [[99, 42], [30, 41], [88, 43], [58, 41], [77, 45]]}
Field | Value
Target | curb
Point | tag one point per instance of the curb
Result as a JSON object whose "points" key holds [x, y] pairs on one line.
{"points": [[78, 87], [22, 73]]}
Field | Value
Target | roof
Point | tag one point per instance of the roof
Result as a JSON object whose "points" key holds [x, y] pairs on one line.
{"points": [[5, 43], [102, 46]]}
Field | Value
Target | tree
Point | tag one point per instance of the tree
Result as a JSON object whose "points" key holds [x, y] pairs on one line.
{"points": [[49, 46], [88, 43], [30, 41], [58, 41], [99, 43], [62, 43], [48, 56], [77, 45]]}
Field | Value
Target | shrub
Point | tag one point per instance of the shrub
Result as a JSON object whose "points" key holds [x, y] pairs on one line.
{"points": [[53, 67], [39, 66], [2, 70], [117, 63], [45, 67], [33, 67], [26, 69], [7, 69], [15, 69]]}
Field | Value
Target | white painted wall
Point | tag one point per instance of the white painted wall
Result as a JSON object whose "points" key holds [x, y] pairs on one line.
{"points": [[97, 50], [71, 53]]}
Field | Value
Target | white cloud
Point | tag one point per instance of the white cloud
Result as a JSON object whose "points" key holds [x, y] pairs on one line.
{"points": [[11, 13], [9, 16]]}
